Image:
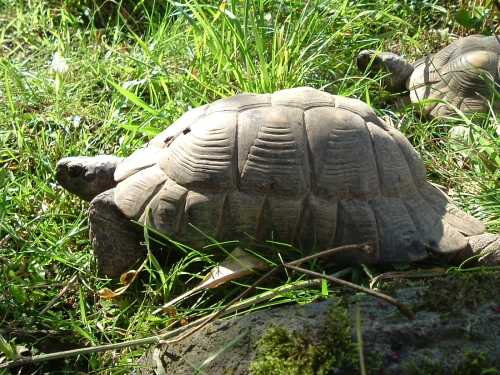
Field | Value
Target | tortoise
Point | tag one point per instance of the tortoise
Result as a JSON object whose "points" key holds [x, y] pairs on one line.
{"points": [[299, 166], [461, 75]]}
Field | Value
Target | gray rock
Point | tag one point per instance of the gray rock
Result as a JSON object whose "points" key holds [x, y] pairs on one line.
{"points": [[430, 335]]}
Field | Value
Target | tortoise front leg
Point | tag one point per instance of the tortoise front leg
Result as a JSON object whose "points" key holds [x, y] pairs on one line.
{"points": [[115, 239]]}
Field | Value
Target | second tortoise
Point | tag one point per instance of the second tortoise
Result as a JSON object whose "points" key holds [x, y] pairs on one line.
{"points": [[462, 76]]}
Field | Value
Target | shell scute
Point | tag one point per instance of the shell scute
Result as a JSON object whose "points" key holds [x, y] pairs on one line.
{"points": [[240, 103], [201, 217], [272, 151], [303, 98], [240, 215], [465, 223], [359, 108], [318, 224], [179, 127], [341, 154], [205, 155], [149, 154], [417, 168], [356, 224], [166, 209], [140, 159], [279, 218], [398, 235], [435, 233], [133, 194], [394, 174]]}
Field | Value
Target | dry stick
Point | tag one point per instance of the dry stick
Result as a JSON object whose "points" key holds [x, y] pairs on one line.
{"points": [[27, 332], [198, 324], [365, 247], [403, 308], [61, 293], [155, 339]]}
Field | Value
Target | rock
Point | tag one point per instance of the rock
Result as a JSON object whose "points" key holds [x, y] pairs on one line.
{"points": [[430, 336]]}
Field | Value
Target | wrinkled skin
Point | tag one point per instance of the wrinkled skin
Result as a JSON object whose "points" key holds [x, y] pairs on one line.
{"points": [[114, 238], [386, 62]]}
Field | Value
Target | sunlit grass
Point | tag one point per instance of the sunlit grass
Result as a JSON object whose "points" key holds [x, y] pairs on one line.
{"points": [[127, 81]]}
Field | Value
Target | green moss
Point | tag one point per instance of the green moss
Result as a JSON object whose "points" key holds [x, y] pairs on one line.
{"points": [[451, 293], [283, 353], [473, 364]]}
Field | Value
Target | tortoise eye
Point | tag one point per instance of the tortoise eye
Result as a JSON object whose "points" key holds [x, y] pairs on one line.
{"points": [[74, 170]]}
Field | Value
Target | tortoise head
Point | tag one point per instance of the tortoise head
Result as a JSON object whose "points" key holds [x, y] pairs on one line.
{"points": [[398, 68], [87, 177]]}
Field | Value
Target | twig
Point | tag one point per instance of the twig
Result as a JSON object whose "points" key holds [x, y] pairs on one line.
{"points": [[45, 286], [403, 308], [196, 325], [363, 247], [61, 293], [27, 332]]}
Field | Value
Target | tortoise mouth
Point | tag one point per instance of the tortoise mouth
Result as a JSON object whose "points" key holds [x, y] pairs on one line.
{"points": [[60, 175]]}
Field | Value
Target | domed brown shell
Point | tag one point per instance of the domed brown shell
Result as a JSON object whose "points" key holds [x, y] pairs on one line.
{"points": [[298, 166]]}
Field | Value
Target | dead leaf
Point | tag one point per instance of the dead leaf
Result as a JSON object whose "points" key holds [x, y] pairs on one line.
{"points": [[238, 264], [107, 293], [432, 272]]}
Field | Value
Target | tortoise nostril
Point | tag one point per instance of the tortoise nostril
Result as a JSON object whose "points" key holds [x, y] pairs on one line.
{"points": [[74, 170]]}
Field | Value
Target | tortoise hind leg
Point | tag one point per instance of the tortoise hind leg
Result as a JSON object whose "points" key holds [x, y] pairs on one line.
{"points": [[486, 245], [115, 239]]}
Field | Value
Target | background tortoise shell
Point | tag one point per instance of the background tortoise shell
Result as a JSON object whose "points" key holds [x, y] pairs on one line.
{"points": [[298, 166], [462, 75]]}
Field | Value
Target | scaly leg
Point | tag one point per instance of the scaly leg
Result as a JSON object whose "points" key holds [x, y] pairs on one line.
{"points": [[115, 239]]}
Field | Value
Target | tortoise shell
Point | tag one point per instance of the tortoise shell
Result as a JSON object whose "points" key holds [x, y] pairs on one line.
{"points": [[299, 166], [461, 75]]}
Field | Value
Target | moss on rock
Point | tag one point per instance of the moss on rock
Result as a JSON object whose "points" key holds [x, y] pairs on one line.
{"points": [[473, 364], [283, 353], [448, 295]]}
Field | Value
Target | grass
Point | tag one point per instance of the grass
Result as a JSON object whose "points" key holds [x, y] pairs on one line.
{"points": [[130, 77]]}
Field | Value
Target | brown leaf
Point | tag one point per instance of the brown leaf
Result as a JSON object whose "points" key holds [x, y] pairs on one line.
{"points": [[238, 264], [107, 293]]}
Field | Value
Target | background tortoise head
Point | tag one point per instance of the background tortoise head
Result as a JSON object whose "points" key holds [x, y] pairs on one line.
{"points": [[87, 177], [398, 68]]}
